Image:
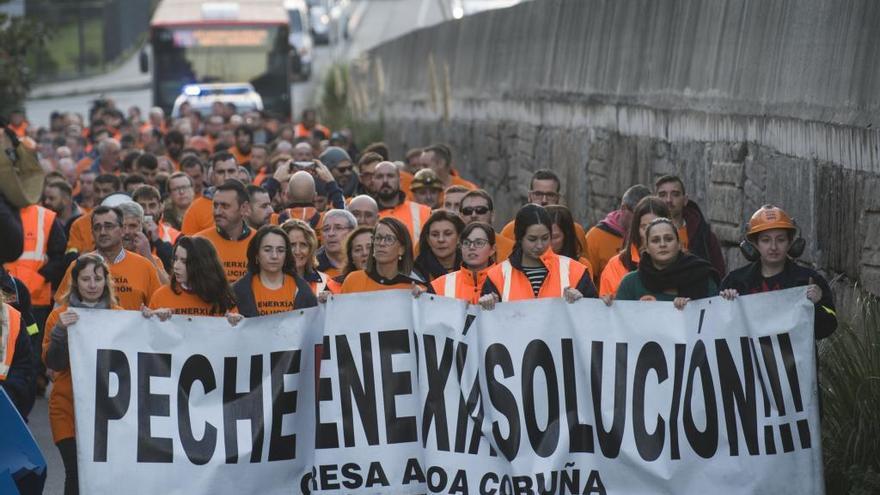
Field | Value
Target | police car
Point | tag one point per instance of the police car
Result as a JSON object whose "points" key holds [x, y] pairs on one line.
{"points": [[202, 96]]}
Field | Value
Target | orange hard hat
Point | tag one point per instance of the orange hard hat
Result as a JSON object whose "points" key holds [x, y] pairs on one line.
{"points": [[770, 217]]}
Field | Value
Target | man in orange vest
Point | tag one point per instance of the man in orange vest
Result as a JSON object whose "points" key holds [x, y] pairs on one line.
{"points": [[16, 360], [605, 239], [392, 201], [439, 158], [40, 266], [544, 187], [309, 124]]}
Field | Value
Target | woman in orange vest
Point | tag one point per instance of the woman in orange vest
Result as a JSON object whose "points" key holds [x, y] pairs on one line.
{"points": [[357, 252], [439, 251], [390, 265], [198, 285], [271, 284], [303, 245], [477, 250], [90, 287], [533, 269], [627, 260], [563, 237], [666, 272]]}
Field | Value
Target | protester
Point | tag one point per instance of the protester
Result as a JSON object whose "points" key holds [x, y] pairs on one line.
{"points": [[366, 166], [605, 239], [771, 246], [478, 206], [666, 272], [271, 284], [81, 239], [199, 215], [357, 252], [390, 265], [134, 277], [261, 207], [544, 187], [563, 236], [340, 165], [477, 248], [58, 197], [303, 244], [135, 240], [452, 197], [693, 229], [533, 269], [154, 222], [198, 286], [392, 201], [439, 158], [365, 210], [180, 196], [426, 188], [91, 286], [230, 234], [627, 260], [331, 256], [439, 251]]}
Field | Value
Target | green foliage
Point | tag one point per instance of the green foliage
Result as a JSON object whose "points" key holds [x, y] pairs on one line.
{"points": [[336, 111], [18, 37], [850, 380]]}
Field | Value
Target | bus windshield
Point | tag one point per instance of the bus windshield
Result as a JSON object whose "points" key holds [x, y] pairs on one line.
{"points": [[222, 54]]}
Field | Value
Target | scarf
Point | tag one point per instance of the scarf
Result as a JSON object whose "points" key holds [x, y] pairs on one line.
{"points": [[613, 221], [76, 302], [689, 275]]}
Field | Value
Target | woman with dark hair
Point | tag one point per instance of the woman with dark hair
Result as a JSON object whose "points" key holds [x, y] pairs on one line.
{"points": [[390, 265], [198, 284], [357, 252], [303, 246], [478, 250], [627, 260], [533, 269], [438, 244], [271, 284], [91, 286], [666, 272], [563, 237]]}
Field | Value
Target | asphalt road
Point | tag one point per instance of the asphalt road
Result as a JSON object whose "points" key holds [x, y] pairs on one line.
{"points": [[380, 20]]}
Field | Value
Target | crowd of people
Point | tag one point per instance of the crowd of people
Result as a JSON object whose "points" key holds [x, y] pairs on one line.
{"points": [[241, 215]]}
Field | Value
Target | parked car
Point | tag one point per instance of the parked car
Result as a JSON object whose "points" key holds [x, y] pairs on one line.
{"points": [[300, 38], [202, 97], [329, 20]]}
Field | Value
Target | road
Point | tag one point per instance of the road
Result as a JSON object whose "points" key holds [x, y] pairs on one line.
{"points": [[374, 21], [380, 20]]}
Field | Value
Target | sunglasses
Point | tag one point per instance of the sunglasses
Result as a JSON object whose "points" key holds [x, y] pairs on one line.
{"points": [[470, 210]]}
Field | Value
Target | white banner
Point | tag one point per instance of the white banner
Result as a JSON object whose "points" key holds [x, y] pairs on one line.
{"points": [[424, 397]]}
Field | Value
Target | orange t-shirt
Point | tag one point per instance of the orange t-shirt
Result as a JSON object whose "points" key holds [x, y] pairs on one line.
{"points": [[359, 281], [198, 217], [271, 301], [185, 303], [233, 254], [135, 278], [81, 239]]}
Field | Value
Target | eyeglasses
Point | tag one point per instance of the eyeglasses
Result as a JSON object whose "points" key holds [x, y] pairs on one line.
{"points": [[470, 210], [545, 195], [474, 243], [384, 239]]}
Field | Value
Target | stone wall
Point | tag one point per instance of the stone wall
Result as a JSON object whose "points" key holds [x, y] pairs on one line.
{"points": [[750, 101]]}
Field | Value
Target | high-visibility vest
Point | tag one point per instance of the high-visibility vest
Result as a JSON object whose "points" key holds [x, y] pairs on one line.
{"points": [[9, 328], [316, 286], [167, 233], [412, 214], [460, 284], [36, 222], [513, 285]]}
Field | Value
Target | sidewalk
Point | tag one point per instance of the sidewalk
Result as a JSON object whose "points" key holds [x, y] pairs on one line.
{"points": [[123, 78]]}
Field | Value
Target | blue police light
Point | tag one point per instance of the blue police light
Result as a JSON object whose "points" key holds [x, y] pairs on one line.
{"points": [[191, 90]]}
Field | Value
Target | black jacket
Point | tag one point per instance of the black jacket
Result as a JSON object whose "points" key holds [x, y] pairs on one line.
{"points": [[748, 280], [13, 235], [19, 383], [701, 241], [247, 304], [584, 286]]}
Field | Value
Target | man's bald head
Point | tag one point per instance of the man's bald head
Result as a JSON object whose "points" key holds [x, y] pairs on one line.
{"points": [[301, 188], [386, 182], [364, 209]]}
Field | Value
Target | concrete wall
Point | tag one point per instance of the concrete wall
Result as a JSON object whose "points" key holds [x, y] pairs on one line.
{"points": [[751, 101]]}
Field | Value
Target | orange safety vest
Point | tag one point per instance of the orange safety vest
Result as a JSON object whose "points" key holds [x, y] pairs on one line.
{"points": [[318, 287], [36, 222], [412, 214], [8, 336], [513, 285], [460, 284], [167, 233]]}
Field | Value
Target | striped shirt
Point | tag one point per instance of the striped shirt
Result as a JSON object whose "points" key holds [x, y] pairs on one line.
{"points": [[536, 277]]}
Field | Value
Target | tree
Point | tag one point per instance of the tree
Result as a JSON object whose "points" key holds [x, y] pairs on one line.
{"points": [[18, 36]]}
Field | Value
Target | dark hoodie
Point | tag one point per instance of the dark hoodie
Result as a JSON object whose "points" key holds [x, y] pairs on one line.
{"points": [[701, 241]]}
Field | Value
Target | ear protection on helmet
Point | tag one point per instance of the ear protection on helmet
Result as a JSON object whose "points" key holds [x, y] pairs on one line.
{"points": [[750, 252]]}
